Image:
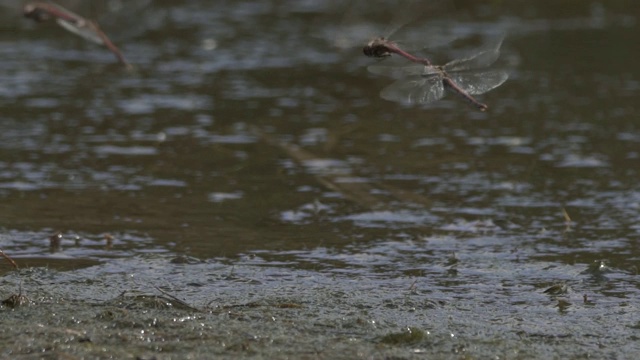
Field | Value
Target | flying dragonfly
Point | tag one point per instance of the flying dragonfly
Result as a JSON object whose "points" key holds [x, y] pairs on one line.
{"points": [[74, 23], [422, 82], [382, 47], [357, 26]]}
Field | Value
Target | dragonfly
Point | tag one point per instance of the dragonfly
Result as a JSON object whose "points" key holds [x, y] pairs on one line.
{"points": [[423, 82], [74, 23], [382, 47]]}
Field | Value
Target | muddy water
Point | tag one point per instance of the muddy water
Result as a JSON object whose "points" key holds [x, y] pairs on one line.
{"points": [[248, 167]]}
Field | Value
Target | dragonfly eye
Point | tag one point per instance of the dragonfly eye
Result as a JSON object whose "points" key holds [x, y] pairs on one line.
{"points": [[370, 51]]}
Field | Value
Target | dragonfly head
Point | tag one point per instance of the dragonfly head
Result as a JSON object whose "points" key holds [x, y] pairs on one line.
{"points": [[36, 13], [376, 48]]}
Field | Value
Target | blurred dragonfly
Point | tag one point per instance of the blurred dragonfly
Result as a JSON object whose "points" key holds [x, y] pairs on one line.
{"points": [[85, 28], [423, 83]]}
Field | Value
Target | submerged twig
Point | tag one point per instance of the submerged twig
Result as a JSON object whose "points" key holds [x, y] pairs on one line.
{"points": [[85, 28], [16, 300], [54, 242], [179, 301], [565, 214], [366, 194], [109, 239], [10, 260], [567, 220]]}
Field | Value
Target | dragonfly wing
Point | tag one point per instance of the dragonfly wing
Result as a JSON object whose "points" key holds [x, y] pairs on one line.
{"points": [[482, 59], [397, 72], [81, 29], [417, 90], [479, 82]]}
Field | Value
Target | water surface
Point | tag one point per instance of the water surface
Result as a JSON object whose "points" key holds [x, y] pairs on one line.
{"points": [[246, 143]]}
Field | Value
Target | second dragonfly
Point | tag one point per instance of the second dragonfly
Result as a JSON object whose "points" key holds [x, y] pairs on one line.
{"points": [[422, 82]]}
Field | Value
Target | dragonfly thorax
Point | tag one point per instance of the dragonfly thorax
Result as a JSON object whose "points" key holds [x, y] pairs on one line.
{"points": [[433, 69]]}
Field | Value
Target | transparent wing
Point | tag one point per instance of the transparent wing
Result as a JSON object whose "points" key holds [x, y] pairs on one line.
{"points": [[434, 39], [350, 36], [482, 59], [81, 29], [409, 11], [398, 72], [418, 90], [356, 28], [71, 22], [59, 12], [479, 82]]}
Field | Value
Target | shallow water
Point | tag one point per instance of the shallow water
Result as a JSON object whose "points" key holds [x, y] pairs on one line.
{"points": [[247, 160]]}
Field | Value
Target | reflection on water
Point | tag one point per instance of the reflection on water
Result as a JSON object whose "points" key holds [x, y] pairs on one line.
{"points": [[244, 134]]}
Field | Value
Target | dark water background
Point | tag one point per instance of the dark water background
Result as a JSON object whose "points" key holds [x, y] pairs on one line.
{"points": [[245, 136]]}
